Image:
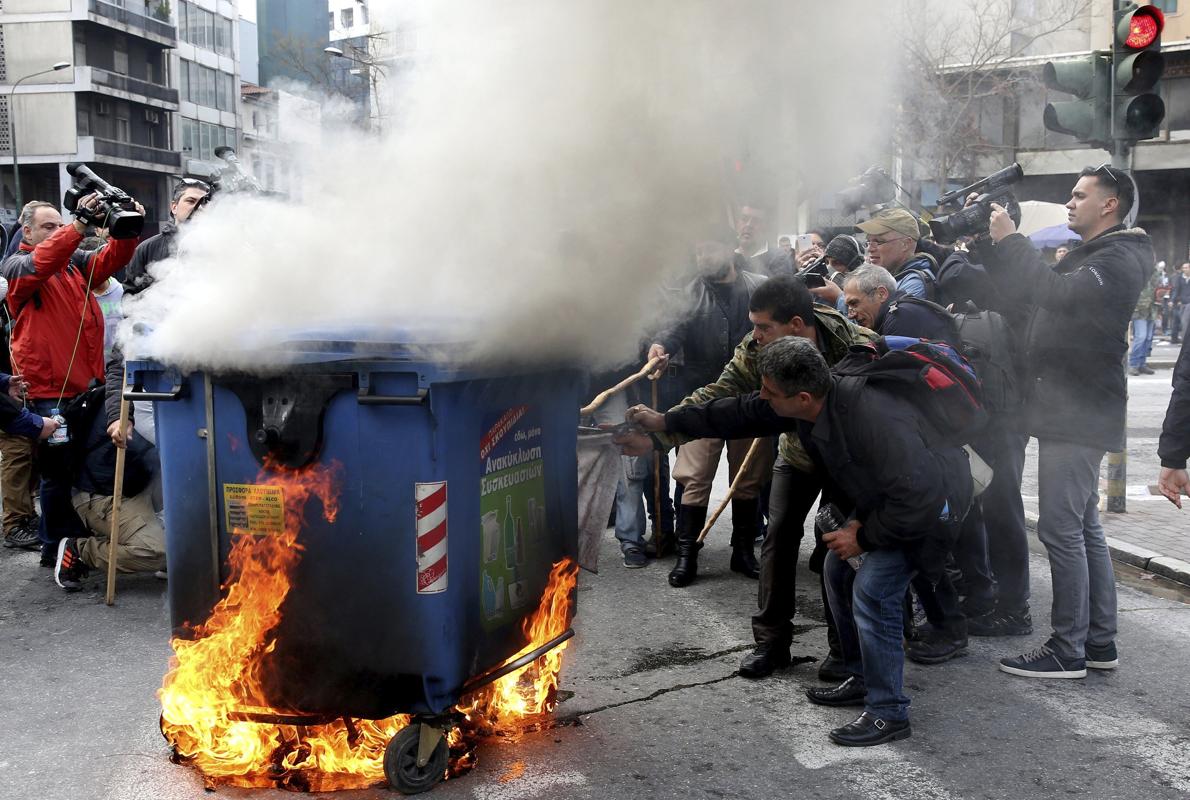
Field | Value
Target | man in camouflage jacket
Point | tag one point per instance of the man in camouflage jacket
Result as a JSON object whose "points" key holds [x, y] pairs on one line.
{"points": [[780, 307]]}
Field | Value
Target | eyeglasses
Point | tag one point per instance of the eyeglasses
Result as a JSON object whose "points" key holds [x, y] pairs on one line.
{"points": [[878, 242], [195, 183], [1105, 169]]}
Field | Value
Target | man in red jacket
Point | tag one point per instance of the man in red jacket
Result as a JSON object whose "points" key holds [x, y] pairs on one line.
{"points": [[57, 338]]}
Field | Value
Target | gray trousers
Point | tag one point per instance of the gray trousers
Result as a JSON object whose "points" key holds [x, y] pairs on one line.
{"points": [[1084, 606]]}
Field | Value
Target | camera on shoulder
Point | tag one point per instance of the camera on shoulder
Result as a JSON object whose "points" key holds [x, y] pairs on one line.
{"points": [[114, 210], [972, 219]]}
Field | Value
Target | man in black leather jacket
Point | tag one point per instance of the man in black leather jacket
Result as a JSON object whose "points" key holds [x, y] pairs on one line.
{"points": [[715, 321]]}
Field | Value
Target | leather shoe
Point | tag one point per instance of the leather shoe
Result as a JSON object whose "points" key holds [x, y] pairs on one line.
{"points": [[743, 561], [831, 670], [761, 662], [850, 692], [868, 730], [936, 647]]}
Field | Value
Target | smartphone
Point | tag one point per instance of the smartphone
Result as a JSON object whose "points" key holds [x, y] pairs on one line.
{"points": [[805, 241], [813, 280]]}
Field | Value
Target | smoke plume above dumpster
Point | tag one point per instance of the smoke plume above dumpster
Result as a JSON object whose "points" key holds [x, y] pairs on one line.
{"points": [[543, 168]]}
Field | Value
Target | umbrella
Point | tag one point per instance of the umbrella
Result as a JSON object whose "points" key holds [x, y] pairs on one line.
{"points": [[1054, 236], [1036, 215]]}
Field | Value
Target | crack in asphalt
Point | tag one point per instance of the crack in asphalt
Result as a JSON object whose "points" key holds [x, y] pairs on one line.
{"points": [[576, 718]]}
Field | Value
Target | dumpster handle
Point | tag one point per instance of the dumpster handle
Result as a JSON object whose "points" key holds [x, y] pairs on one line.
{"points": [[366, 399], [512, 666], [137, 393]]}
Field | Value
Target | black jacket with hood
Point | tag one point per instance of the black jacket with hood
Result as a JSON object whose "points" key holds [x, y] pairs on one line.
{"points": [[1075, 387]]}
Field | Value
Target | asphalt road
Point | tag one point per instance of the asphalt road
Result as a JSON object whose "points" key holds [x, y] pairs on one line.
{"points": [[657, 710]]}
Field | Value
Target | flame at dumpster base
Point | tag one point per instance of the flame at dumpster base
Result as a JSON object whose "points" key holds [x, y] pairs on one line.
{"points": [[212, 697]]}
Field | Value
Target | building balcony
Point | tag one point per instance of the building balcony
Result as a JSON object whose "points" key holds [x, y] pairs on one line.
{"points": [[109, 83], [133, 152], [134, 22]]}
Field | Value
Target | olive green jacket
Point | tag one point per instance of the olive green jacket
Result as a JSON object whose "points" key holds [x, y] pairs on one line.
{"points": [[741, 376]]}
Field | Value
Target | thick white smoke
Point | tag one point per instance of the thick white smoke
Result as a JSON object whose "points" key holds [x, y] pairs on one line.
{"points": [[547, 165]]}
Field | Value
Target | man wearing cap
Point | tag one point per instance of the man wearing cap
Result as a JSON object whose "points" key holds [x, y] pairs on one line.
{"points": [[1075, 403], [892, 244]]}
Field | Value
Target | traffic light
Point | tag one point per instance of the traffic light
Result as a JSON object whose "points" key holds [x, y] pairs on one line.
{"points": [[1088, 118], [1138, 65]]}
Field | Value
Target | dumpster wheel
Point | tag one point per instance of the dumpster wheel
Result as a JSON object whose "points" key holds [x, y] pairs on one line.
{"points": [[415, 760]]}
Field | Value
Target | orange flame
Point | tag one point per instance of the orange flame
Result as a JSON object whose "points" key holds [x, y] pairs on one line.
{"points": [[532, 689], [216, 676]]}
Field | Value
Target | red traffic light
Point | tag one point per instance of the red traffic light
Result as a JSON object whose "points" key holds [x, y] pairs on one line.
{"points": [[1144, 27]]}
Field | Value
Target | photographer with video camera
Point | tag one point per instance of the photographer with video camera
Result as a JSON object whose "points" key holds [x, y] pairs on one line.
{"points": [[58, 333], [1075, 399], [189, 196]]}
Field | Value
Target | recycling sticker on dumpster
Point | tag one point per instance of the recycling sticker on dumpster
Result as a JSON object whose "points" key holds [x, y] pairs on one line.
{"points": [[512, 511], [259, 510]]}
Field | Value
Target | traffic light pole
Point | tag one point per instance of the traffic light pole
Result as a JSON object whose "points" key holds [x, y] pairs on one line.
{"points": [[1117, 463]]}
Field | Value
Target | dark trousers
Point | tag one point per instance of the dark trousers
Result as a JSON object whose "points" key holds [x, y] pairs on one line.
{"points": [[667, 505], [790, 500], [971, 555], [1004, 515], [58, 517]]}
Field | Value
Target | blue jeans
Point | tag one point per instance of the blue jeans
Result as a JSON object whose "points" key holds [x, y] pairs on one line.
{"points": [[630, 501], [868, 612], [58, 517], [1142, 341]]}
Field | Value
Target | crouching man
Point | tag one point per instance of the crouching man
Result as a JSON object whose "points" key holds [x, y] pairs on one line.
{"points": [[140, 540], [903, 498]]}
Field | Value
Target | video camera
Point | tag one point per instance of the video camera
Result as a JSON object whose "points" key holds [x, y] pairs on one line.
{"points": [[973, 219], [116, 210], [871, 188], [230, 177]]}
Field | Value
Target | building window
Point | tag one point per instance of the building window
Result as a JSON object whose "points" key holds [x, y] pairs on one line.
{"points": [[226, 100], [348, 17], [120, 56], [189, 132], [123, 130], [363, 14], [331, 21], [83, 120], [223, 36], [1168, 6]]}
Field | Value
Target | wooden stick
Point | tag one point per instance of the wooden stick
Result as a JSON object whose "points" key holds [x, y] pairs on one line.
{"points": [[603, 396], [117, 496], [731, 489], [656, 483]]}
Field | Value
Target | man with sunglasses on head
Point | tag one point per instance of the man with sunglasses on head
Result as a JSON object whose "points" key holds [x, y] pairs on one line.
{"points": [[1075, 402], [189, 196]]}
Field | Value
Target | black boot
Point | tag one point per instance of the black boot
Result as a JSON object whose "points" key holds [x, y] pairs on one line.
{"points": [[743, 537], [690, 525]]}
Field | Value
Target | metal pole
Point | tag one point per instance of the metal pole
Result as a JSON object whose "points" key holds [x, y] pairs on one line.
{"points": [[1121, 150], [12, 131]]}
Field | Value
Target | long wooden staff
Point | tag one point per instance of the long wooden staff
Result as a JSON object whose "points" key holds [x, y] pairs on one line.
{"points": [[731, 489], [603, 396]]}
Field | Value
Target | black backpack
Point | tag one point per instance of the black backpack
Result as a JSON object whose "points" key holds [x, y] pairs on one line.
{"points": [[933, 375], [989, 345]]}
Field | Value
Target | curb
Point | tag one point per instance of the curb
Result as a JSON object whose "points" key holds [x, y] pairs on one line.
{"points": [[1174, 569]]}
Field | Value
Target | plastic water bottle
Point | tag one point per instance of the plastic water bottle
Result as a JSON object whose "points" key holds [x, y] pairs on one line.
{"points": [[830, 519], [61, 434]]}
